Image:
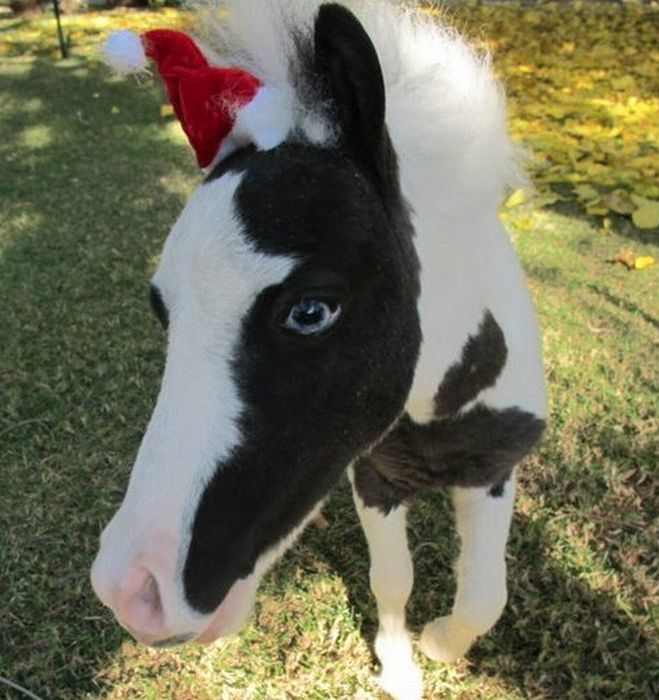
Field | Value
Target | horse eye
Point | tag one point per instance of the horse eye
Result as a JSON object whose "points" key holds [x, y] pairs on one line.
{"points": [[312, 316]]}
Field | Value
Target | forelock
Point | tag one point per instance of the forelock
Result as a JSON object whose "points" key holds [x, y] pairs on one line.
{"points": [[273, 41]]}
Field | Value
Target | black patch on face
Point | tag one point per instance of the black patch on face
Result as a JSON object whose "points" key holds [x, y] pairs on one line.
{"points": [[477, 448], [158, 306], [483, 359], [312, 404]]}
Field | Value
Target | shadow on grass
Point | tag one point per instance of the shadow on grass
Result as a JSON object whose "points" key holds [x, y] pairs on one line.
{"points": [[9, 24], [558, 638], [572, 208], [623, 304]]}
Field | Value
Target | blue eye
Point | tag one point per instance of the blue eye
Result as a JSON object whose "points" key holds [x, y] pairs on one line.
{"points": [[312, 316]]}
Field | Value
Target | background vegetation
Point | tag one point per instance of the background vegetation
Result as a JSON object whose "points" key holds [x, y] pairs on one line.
{"points": [[94, 172]]}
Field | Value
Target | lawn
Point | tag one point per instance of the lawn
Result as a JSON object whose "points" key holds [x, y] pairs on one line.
{"points": [[93, 173]]}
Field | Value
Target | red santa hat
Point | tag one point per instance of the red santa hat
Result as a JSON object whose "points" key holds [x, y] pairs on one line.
{"points": [[206, 99]]}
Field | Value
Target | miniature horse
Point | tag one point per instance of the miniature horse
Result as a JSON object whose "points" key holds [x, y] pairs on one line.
{"points": [[344, 298]]}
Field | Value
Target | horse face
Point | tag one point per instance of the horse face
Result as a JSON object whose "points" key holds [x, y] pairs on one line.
{"points": [[288, 287]]}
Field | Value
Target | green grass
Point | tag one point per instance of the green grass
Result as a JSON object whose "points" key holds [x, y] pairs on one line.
{"points": [[92, 176]]}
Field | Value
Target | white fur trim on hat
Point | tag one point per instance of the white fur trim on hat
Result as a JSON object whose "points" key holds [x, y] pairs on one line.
{"points": [[266, 119], [124, 52]]}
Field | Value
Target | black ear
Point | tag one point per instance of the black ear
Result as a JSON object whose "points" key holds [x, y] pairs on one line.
{"points": [[347, 60]]}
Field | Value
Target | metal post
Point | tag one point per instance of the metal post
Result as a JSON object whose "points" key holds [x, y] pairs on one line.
{"points": [[64, 50]]}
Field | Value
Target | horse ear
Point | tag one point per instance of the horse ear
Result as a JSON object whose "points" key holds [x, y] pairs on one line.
{"points": [[347, 60]]}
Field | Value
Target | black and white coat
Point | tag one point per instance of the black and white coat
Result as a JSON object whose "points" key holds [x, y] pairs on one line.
{"points": [[343, 299]]}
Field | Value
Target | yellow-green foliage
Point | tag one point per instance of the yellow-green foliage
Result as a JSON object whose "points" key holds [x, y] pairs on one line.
{"points": [[582, 79], [582, 82]]}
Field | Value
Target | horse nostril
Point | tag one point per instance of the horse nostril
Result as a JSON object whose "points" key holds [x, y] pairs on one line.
{"points": [[150, 595], [139, 603]]}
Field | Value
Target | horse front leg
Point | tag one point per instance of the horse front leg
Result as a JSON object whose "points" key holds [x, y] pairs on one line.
{"points": [[483, 519], [391, 579]]}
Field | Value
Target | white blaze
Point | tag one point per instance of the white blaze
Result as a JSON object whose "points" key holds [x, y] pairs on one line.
{"points": [[209, 277]]}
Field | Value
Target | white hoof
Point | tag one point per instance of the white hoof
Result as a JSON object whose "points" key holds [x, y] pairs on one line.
{"points": [[402, 682], [445, 640], [401, 678]]}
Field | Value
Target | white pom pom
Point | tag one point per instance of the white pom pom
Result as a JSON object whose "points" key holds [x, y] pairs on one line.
{"points": [[124, 52]]}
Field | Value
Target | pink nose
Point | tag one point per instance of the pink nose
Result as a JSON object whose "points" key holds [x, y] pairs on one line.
{"points": [[137, 603]]}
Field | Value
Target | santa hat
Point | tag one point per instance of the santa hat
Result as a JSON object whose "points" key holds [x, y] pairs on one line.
{"points": [[216, 106]]}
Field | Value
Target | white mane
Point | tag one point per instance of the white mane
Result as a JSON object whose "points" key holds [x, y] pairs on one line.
{"points": [[445, 110]]}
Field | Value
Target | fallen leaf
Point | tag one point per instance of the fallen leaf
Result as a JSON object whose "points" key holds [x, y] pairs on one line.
{"points": [[597, 330], [524, 224], [626, 258], [643, 262], [518, 197], [633, 262]]}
